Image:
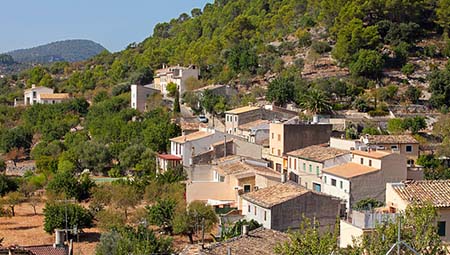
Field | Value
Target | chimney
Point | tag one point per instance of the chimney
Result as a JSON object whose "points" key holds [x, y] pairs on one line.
{"points": [[244, 230], [229, 251], [33, 86], [283, 178], [59, 238]]}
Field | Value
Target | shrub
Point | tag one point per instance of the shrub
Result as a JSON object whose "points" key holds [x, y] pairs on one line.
{"points": [[54, 216], [408, 69], [320, 47]]}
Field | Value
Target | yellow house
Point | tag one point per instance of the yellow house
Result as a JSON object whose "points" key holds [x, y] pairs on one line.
{"points": [[436, 192]]}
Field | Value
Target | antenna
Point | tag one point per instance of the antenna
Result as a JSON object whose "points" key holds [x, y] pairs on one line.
{"points": [[399, 242]]}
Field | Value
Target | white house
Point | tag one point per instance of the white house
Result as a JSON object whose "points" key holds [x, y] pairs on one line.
{"points": [[365, 176], [283, 206], [305, 165], [175, 74], [43, 95], [188, 146], [140, 95]]}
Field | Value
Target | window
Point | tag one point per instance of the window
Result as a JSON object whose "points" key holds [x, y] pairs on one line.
{"points": [[341, 184], [304, 166], [290, 165], [273, 151], [370, 162], [265, 215], [235, 118], [249, 208], [273, 135], [278, 167], [34, 94], [310, 168], [410, 162], [317, 170], [279, 152], [409, 148], [362, 161], [247, 188], [255, 210], [295, 163], [333, 182], [317, 187], [325, 179], [394, 147], [441, 228], [293, 177], [279, 137]]}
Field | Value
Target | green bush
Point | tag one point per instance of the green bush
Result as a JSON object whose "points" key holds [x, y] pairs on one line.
{"points": [[408, 69], [377, 113], [55, 213], [320, 47]]}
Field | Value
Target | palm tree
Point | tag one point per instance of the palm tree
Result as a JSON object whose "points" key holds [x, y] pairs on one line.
{"points": [[315, 102]]}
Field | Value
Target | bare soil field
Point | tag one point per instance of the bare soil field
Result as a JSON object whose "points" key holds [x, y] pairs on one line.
{"points": [[27, 229]]}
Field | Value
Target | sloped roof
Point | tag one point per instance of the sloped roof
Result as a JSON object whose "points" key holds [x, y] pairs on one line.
{"points": [[350, 170], [318, 153], [394, 139], [436, 192], [169, 157], [242, 110], [372, 154], [276, 194], [57, 96], [191, 137], [239, 167], [253, 124], [260, 241]]}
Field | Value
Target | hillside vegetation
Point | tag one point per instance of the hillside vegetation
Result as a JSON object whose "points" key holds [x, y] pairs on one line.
{"points": [[68, 50]]}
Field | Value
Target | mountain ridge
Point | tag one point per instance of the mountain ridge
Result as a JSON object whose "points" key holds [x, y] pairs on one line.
{"points": [[73, 50]]}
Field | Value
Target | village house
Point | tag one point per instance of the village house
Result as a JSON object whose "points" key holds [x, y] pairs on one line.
{"points": [[260, 241], [43, 95], [174, 74], [437, 192], [255, 132], [283, 206], [404, 144], [365, 176], [305, 165], [292, 135], [228, 178], [140, 95], [243, 115]]}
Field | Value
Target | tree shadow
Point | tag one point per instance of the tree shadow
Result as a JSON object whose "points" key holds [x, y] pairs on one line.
{"points": [[23, 228], [89, 237]]}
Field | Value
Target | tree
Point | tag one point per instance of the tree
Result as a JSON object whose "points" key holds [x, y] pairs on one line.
{"points": [[128, 240], [65, 184], [176, 103], [309, 240], [2, 165], [12, 199], [55, 216], [197, 214], [161, 214], [172, 88], [236, 229], [315, 102], [418, 229], [442, 129], [412, 94], [124, 196], [34, 201], [368, 63], [443, 15], [395, 126], [280, 91], [7, 184], [367, 204], [440, 87]]}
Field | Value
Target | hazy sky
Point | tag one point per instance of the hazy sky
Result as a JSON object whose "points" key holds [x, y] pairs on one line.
{"points": [[112, 23]]}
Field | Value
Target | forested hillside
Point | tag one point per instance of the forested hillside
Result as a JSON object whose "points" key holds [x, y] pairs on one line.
{"points": [[68, 50]]}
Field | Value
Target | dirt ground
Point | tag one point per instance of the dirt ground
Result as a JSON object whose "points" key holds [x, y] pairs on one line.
{"points": [[26, 229]]}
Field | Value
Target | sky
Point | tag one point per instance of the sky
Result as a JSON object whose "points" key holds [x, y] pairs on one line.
{"points": [[112, 23]]}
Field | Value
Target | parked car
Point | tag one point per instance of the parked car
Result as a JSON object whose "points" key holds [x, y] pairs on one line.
{"points": [[202, 118]]}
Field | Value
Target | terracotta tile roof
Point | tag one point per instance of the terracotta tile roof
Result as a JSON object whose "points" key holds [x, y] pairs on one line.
{"points": [[238, 167], [260, 241], [436, 192], [242, 110], [372, 154], [46, 250], [36, 88], [276, 194], [317, 153], [191, 125], [350, 170], [56, 96], [253, 124], [191, 137], [169, 157], [209, 87], [394, 139]]}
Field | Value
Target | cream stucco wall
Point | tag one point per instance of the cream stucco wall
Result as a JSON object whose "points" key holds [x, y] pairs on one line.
{"points": [[349, 234], [248, 210]]}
